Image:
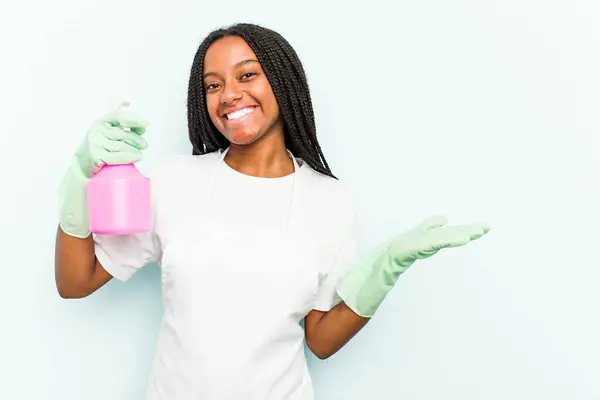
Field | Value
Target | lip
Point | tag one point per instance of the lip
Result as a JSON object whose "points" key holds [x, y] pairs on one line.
{"points": [[233, 109]]}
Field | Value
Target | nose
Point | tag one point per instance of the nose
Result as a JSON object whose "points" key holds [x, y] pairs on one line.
{"points": [[230, 94]]}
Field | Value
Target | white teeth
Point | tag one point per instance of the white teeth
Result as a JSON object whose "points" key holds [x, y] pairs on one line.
{"points": [[240, 113]]}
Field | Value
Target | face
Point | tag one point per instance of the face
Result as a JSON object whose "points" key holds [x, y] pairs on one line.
{"points": [[239, 98]]}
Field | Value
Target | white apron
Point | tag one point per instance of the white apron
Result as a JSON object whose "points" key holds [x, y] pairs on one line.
{"points": [[234, 300]]}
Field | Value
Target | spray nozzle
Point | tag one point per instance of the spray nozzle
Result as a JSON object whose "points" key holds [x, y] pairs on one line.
{"points": [[125, 104]]}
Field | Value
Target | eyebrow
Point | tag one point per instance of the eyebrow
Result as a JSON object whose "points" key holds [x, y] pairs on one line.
{"points": [[237, 65]]}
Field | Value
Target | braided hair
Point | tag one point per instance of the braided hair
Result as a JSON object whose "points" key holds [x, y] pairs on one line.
{"points": [[286, 75]]}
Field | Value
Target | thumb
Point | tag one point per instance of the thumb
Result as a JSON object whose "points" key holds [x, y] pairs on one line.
{"points": [[436, 221]]}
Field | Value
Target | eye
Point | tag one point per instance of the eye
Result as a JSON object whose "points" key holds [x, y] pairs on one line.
{"points": [[248, 75], [211, 86]]}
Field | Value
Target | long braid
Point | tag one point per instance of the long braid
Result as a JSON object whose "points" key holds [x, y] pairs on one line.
{"points": [[288, 80]]}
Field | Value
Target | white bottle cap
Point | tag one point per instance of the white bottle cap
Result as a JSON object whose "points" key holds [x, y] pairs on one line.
{"points": [[125, 102]]}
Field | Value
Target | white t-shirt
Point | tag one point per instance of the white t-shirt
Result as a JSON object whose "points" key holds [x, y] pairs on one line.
{"points": [[243, 260]]}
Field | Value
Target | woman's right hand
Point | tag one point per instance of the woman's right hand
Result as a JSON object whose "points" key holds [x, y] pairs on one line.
{"points": [[115, 138]]}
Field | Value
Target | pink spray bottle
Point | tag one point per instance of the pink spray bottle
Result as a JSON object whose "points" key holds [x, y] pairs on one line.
{"points": [[119, 200]]}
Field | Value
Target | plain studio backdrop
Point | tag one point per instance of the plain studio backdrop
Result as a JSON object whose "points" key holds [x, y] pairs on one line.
{"points": [[475, 109]]}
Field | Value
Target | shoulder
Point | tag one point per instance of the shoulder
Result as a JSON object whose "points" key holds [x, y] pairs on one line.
{"points": [[328, 198], [327, 189]]}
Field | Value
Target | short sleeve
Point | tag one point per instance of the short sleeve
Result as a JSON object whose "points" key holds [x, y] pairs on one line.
{"points": [[123, 255], [344, 260]]}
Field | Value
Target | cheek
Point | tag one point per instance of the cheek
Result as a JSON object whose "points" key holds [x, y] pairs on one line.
{"points": [[268, 102], [212, 106], [272, 110]]}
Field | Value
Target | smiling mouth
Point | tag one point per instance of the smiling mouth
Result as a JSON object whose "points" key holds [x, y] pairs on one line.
{"points": [[239, 114]]}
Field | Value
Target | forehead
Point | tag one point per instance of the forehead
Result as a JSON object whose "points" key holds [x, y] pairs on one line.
{"points": [[226, 53]]}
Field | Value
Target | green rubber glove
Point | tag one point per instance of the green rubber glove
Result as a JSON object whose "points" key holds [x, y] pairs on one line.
{"points": [[368, 283], [113, 139]]}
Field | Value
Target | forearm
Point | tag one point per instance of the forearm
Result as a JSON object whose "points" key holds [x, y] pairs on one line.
{"points": [[77, 272], [328, 332]]}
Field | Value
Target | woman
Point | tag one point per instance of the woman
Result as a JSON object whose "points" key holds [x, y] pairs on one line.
{"points": [[253, 232]]}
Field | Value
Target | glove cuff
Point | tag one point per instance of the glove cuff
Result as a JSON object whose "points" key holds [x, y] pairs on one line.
{"points": [[359, 289], [72, 200], [369, 282]]}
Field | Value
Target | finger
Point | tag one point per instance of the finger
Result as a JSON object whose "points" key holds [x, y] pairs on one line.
{"points": [[448, 237], [116, 146], [460, 235], [453, 238], [471, 231], [102, 130], [474, 230], [485, 226], [456, 236], [121, 157], [426, 253], [113, 155], [127, 119], [436, 221], [131, 138]]}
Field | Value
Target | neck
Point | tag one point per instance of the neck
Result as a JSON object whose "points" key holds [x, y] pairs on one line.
{"points": [[265, 158]]}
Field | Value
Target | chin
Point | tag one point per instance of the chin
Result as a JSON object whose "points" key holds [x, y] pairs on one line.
{"points": [[250, 135], [243, 139]]}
